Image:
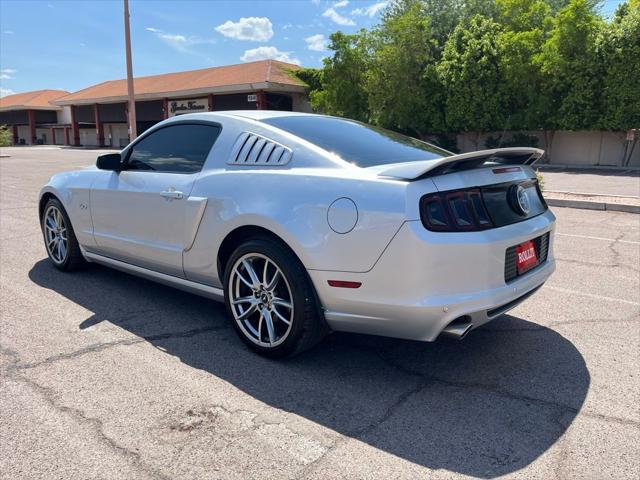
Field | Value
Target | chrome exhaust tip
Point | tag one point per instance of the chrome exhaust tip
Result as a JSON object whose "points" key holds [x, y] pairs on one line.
{"points": [[458, 329]]}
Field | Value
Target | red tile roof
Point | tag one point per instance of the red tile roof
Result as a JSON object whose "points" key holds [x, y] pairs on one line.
{"points": [[37, 100], [228, 78]]}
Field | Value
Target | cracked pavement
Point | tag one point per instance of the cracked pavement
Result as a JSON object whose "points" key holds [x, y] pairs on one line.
{"points": [[105, 375]]}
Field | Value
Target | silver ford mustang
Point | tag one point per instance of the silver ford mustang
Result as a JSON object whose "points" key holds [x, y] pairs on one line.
{"points": [[305, 224]]}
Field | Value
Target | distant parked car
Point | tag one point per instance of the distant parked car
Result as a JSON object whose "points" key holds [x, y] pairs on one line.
{"points": [[306, 223]]}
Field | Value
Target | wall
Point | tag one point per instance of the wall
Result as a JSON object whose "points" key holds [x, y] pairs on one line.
{"points": [[116, 135], [23, 134], [44, 134], [233, 101], [301, 103], [59, 136], [64, 116], [88, 137], [584, 148]]}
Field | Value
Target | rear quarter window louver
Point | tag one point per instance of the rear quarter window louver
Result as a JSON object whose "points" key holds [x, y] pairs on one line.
{"points": [[253, 149]]}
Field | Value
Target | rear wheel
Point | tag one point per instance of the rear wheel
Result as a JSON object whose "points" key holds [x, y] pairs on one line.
{"points": [[271, 300], [59, 238]]}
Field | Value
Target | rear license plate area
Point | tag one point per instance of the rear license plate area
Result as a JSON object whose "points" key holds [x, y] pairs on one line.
{"points": [[524, 257]]}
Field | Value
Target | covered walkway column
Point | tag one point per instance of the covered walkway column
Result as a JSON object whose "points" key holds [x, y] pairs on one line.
{"points": [[32, 126], [210, 101], [74, 127], [261, 100], [165, 108], [99, 125], [15, 135]]}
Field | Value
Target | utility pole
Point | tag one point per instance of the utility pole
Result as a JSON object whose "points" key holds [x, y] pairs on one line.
{"points": [[133, 132]]}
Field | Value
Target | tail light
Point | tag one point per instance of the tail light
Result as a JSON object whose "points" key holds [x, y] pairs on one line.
{"points": [[458, 211]]}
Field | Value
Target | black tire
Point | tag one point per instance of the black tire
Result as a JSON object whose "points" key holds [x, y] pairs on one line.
{"points": [[73, 259], [308, 326]]}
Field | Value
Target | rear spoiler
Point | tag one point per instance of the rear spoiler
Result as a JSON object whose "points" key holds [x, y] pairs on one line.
{"points": [[456, 163]]}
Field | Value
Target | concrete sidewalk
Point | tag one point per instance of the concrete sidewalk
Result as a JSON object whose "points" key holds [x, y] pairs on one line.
{"points": [[593, 189]]}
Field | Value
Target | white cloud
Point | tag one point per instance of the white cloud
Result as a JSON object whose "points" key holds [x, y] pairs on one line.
{"points": [[173, 38], [264, 53], [337, 18], [371, 10], [8, 32], [341, 4], [178, 41], [258, 29], [7, 73], [315, 2], [317, 43], [6, 91]]}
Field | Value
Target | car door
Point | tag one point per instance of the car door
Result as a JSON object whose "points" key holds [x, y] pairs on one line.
{"points": [[141, 214]]}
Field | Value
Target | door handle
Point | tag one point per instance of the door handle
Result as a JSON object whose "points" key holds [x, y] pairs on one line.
{"points": [[175, 194]]}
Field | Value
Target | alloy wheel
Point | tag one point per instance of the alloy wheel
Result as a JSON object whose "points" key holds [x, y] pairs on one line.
{"points": [[55, 234], [261, 300]]}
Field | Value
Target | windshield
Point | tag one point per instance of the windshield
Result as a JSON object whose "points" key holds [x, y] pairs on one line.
{"points": [[356, 142]]}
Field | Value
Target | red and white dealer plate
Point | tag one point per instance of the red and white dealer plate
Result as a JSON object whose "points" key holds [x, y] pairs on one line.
{"points": [[526, 257]]}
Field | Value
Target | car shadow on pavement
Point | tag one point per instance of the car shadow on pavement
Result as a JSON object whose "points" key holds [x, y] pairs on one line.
{"points": [[487, 406]]}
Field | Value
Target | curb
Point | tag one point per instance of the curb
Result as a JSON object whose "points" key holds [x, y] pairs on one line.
{"points": [[607, 168], [585, 205]]}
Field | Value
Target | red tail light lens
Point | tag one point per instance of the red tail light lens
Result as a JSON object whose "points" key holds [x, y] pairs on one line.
{"points": [[459, 211]]}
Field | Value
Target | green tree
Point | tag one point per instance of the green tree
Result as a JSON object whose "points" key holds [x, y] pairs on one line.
{"points": [[403, 88], [471, 73], [571, 70], [619, 52], [343, 78], [5, 136], [526, 25], [311, 76], [443, 15]]}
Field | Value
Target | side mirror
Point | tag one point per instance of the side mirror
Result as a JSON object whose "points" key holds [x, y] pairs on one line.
{"points": [[110, 161]]}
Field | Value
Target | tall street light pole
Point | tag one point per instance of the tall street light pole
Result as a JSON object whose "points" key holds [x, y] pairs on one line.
{"points": [[133, 132]]}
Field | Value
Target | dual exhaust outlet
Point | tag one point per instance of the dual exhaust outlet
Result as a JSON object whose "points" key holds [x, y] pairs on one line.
{"points": [[458, 328]]}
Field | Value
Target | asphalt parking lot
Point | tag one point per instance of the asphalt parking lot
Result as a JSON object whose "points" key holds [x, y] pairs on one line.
{"points": [[105, 375]]}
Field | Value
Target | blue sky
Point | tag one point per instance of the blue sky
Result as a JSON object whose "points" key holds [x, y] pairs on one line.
{"points": [[70, 45]]}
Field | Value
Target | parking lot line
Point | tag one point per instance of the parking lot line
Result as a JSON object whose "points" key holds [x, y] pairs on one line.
{"points": [[588, 237], [592, 295]]}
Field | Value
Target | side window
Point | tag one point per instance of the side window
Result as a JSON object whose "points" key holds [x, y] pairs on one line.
{"points": [[175, 149]]}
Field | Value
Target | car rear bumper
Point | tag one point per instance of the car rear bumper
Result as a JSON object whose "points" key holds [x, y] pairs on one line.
{"points": [[425, 280]]}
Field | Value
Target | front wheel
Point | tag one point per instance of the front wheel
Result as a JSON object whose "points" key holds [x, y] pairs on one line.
{"points": [[59, 238], [271, 300]]}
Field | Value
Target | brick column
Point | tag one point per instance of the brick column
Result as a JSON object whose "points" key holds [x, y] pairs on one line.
{"points": [[165, 108], [66, 136], [261, 100], [210, 99], [32, 126], [74, 127], [15, 135], [52, 131], [99, 125]]}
